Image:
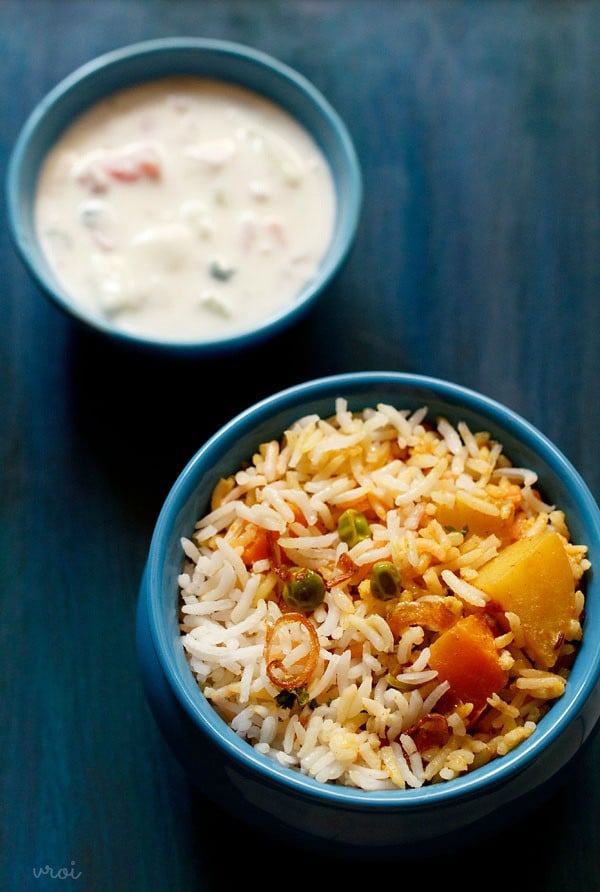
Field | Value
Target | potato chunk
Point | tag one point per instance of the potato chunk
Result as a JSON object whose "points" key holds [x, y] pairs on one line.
{"points": [[533, 578], [465, 655], [461, 515]]}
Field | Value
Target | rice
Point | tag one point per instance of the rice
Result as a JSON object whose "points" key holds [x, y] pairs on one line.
{"points": [[342, 692]]}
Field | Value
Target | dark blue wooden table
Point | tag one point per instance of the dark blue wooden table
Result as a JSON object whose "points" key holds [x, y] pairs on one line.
{"points": [[477, 259]]}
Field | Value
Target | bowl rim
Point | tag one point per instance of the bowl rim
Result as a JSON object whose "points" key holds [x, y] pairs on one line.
{"points": [[302, 89], [462, 788]]}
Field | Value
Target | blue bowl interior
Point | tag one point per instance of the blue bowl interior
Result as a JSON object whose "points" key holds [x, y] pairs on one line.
{"points": [[163, 58], [224, 453]]}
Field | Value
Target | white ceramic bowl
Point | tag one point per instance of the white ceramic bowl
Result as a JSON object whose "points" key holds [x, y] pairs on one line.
{"points": [[220, 60]]}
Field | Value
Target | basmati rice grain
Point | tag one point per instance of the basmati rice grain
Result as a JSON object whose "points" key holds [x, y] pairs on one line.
{"points": [[367, 711]]}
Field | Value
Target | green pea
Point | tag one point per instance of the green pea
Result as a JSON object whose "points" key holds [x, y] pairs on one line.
{"points": [[304, 589], [385, 581], [353, 526]]}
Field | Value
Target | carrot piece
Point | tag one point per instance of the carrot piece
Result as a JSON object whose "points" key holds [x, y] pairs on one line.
{"points": [[465, 655], [258, 548], [130, 171], [150, 168], [131, 166]]}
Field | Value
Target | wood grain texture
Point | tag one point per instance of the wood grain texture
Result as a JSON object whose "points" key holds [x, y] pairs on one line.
{"points": [[477, 259]]}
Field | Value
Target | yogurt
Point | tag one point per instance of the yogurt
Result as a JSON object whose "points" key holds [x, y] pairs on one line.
{"points": [[185, 208]]}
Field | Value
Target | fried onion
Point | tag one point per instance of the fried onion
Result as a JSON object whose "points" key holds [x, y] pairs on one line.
{"points": [[278, 673]]}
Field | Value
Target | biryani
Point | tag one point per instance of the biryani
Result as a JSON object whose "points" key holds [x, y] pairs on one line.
{"points": [[380, 599]]}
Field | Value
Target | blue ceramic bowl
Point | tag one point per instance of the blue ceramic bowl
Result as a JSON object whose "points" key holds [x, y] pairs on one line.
{"points": [[153, 59], [336, 819]]}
